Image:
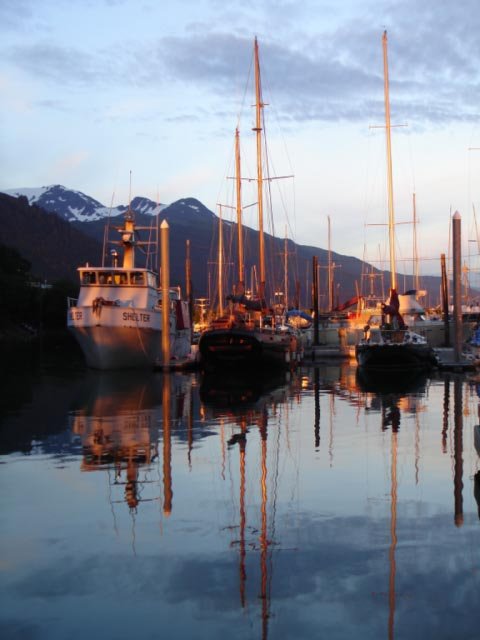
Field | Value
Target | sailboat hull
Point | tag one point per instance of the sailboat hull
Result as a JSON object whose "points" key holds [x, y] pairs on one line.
{"points": [[244, 348], [390, 356]]}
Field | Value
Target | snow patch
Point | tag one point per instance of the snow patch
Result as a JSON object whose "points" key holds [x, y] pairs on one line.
{"points": [[32, 194]]}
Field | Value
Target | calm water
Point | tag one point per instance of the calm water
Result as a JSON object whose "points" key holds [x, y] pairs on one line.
{"points": [[322, 506]]}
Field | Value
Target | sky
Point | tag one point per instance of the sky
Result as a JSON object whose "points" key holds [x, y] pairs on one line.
{"points": [[95, 90]]}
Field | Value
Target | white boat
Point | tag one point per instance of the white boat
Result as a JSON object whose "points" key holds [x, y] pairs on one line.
{"points": [[117, 319], [392, 345]]}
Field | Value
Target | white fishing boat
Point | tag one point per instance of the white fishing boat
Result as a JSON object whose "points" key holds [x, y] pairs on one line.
{"points": [[392, 345], [117, 319]]}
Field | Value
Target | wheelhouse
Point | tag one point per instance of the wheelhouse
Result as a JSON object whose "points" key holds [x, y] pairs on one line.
{"points": [[117, 277]]}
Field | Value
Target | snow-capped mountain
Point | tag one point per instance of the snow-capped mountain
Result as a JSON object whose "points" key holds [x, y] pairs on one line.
{"points": [[75, 206]]}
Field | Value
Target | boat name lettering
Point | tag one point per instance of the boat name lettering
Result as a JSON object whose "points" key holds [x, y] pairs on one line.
{"points": [[136, 317], [76, 315]]}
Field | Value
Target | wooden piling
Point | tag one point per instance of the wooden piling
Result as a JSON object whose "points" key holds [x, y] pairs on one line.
{"points": [[164, 231]]}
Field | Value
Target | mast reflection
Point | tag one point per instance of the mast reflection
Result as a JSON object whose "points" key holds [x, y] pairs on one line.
{"points": [[392, 394], [316, 393], [248, 404], [458, 451]]}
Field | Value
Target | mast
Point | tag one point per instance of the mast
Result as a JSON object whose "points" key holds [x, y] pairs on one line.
{"points": [[238, 182], [128, 240], [476, 227], [188, 280], [128, 233], [415, 249], [391, 217], [220, 264], [258, 131], [285, 269], [330, 279]]}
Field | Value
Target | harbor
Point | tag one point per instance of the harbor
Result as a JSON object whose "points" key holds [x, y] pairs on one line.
{"points": [[240, 321], [255, 507]]}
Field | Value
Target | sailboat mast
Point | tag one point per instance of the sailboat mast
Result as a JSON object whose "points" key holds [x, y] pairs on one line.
{"points": [[285, 270], [415, 248], [258, 131], [220, 264], [476, 227], [391, 217], [238, 181], [330, 281]]}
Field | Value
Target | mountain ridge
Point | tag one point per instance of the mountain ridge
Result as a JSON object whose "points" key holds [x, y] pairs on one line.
{"points": [[188, 219], [76, 206]]}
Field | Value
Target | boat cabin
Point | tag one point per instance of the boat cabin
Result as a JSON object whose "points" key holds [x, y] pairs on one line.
{"points": [[115, 277], [120, 286]]}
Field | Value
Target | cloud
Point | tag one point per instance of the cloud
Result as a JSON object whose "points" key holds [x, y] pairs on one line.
{"points": [[52, 105], [330, 75], [14, 14], [19, 629], [64, 65], [317, 572]]}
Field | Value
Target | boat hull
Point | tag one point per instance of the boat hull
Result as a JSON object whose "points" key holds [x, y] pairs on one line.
{"points": [[221, 348], [121, 338], [395, 356]]}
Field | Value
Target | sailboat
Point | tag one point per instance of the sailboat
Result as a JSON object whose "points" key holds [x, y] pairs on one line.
{"points": [[249, 333], [117, 319], [392, 345]]}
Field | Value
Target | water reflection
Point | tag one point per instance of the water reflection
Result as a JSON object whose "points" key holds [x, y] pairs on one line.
{"points": [[318, 503], [476, 482], [247, 404], [235, 390], [390, 395], [122, 419], [398, 383]]}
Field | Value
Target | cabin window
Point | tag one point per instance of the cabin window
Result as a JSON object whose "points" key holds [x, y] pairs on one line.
{"points": [[137, 278], [104, 277], [120, 278], [89, 277]]}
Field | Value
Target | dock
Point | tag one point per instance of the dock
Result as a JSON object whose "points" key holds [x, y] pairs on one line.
{"points": [[447, 362], [325, 353], [319, 353], [188, 363], [445, 357]]}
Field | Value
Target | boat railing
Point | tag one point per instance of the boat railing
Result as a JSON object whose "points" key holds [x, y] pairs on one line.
{"points": [[393, 335]]}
